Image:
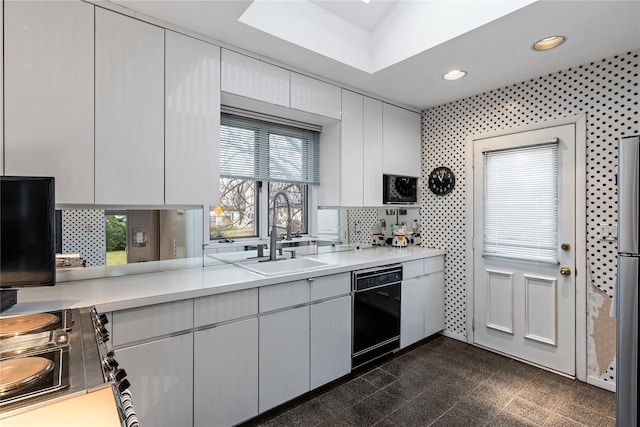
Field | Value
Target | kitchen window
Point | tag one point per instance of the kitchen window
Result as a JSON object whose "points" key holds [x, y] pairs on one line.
{"points": [[257, 159]]}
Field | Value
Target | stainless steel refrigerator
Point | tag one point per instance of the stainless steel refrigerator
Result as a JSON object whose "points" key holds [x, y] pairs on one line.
{"points": [[627, 282]]}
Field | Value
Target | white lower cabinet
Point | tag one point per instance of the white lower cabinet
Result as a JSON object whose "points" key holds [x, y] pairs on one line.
{"points": [[330, 340], [412, 311], [422, 299], [434, 303], [284, 356], [226, 374], [161, 374]]}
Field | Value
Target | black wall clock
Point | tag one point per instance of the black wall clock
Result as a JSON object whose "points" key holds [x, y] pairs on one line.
{"points": [[441, 181]]}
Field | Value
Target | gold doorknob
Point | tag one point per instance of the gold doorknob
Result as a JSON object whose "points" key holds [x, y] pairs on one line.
{"points": [[565, 271], [565, 246]]}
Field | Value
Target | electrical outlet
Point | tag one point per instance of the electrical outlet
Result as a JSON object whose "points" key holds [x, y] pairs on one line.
{"points": [[609, 233]]}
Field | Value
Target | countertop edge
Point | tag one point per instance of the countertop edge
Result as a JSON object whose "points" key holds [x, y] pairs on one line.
{"points": [[202, 282]]}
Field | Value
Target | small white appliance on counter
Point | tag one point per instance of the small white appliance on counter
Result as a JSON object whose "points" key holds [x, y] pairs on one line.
{"points": [[399, 236]]}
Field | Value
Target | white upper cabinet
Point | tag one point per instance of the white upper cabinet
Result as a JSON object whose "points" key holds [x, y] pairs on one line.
{"points": [[401, 141], [315, 96], [351, 149], [249, 77], [329, 188], [356, 157], [48, 82], [129, 111], [372, 153], [192, 121]]}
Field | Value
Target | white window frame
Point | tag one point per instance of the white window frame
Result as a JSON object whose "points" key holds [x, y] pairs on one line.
{"points": [[262, 209]]}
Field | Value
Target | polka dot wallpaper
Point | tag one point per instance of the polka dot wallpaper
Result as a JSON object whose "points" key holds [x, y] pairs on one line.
{"points": [[606, 91], [81, 229]]}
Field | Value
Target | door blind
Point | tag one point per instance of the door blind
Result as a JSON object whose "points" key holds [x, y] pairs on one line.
{"points": [[254, 149], [520, 198]]}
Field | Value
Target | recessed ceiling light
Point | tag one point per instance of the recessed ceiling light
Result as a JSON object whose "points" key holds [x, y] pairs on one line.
{"points": [[548, 43], [454, 75], [366, 1]]}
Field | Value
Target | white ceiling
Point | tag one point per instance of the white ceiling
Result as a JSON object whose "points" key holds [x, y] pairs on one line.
{"points": [[494, 55], [363, 15]]}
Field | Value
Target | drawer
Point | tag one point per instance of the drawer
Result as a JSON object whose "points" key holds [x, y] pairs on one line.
{"points": [[276, 297], [412, 269], [143, 323], [433, 264], [225, 307], [330, 286]]}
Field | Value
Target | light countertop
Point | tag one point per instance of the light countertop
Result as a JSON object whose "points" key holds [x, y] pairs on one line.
{"points": [[95, 409], [120, 293]]}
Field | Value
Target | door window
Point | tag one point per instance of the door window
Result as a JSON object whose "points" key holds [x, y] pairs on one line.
{"points": [[521, 203]]}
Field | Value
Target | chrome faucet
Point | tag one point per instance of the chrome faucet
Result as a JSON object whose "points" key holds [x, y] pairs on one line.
{"points": [[274, 228]]}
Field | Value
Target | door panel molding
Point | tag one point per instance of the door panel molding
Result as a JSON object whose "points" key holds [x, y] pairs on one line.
{"points": [[541, 326], [499, 302]]}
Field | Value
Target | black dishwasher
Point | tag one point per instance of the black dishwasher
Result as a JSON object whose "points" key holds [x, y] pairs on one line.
{"points": [[376, 313]]}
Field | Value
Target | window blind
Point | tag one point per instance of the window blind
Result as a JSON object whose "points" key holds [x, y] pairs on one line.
{"points": [[255, 149], [520, 198]]}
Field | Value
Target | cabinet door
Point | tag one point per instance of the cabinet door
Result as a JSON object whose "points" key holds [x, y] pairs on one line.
{"points": [[412, 311], [150, 321], [283, 295], [161, 376], [351, 152], [401, 141], [330, 340], [129, 111], [330, 161], [372, 146], [254, 79], [315, 96], [192, 128], [434, 300], [284, 356], [226, 374], [49, 94]]}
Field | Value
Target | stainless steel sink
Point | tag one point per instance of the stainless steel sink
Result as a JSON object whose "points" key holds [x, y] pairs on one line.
{"points": [[284, 266]]}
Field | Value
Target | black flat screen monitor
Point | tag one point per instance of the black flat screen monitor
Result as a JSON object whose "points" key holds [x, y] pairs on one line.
{"points": [[27, 252]]}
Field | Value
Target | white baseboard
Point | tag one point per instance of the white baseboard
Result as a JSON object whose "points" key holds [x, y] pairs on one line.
{"points": [[453, 335], [601, 383]]}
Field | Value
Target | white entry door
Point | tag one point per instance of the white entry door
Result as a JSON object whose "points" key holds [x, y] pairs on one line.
{"points": [[524, 246]]}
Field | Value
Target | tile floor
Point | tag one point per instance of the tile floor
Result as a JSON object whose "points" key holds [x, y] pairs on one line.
{"points": [[445, 382]]}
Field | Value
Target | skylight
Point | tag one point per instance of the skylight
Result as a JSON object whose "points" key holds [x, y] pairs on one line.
{"points": [[367, 37]]}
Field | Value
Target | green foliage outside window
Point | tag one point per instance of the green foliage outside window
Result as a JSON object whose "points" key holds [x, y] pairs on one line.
{"points": [[116, 232]]}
